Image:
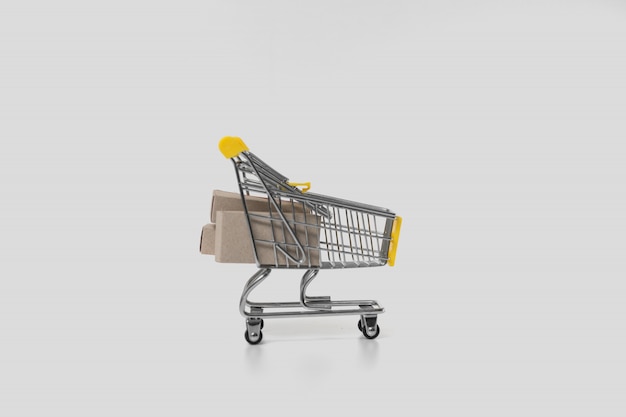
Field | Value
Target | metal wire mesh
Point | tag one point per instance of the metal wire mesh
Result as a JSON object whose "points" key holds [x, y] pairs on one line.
{"points": [[307, 230]]}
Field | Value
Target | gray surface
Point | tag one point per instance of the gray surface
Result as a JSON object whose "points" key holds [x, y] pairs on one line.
{"points": [[496, 130]]}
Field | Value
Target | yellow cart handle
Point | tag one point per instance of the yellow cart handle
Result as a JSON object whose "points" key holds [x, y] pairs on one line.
{"points": [[395, 236], [231, 146]]}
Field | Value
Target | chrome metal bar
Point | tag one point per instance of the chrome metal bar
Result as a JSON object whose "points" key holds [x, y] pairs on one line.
{"points": [[363, 304], [271, 198], [260, 167], [252, 283], [258, 310], [333, 312], [312, 302]]}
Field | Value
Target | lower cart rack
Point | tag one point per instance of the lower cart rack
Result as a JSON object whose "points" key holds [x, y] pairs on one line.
{"points": [[254, 312]]}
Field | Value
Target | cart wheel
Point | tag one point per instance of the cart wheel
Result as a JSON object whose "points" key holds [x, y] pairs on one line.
{"points": [[253, 340], [359, 326], [373, 336], [262, 323]]}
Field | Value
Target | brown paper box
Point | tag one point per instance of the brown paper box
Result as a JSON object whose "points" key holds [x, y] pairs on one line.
{"points": [[229, 237], [308, 236], [233, 243], [232, 238], [207, 239], [227, 201]]}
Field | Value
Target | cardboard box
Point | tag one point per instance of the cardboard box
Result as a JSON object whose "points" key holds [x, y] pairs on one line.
{"points": [[207, 239], [227, 201], [233, 243], [229, 237], [232, 238], [266, 231]]}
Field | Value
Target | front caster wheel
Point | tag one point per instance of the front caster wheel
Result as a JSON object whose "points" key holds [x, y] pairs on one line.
{"points": [[372, 335], [255, 339]]}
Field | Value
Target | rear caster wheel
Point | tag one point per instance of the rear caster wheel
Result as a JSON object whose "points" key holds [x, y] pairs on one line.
{"points": [[367, 325], [254, 339], [373, 335]]}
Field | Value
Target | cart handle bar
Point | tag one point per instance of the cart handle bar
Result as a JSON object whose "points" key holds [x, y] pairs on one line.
{"points": [[231, 146]]}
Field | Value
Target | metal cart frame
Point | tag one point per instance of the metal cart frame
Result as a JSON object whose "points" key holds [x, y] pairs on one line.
{"points": [[302, 230]]}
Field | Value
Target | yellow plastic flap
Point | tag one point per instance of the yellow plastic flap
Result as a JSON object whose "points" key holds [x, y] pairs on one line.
{"points": [[306, 185], [395, 236]]}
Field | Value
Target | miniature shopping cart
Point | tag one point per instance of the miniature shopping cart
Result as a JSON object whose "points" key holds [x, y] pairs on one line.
{"points": [[296, 229]]}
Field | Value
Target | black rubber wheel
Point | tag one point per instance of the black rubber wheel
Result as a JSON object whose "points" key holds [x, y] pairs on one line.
{"points": [[256, 342], [375, 335], [360, 326]]}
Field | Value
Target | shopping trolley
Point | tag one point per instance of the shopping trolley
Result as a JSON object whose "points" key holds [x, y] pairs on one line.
{"points": [[307, 231]]}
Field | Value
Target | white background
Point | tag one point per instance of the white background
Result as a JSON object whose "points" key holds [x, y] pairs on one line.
{"points": [[496, 129]]}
